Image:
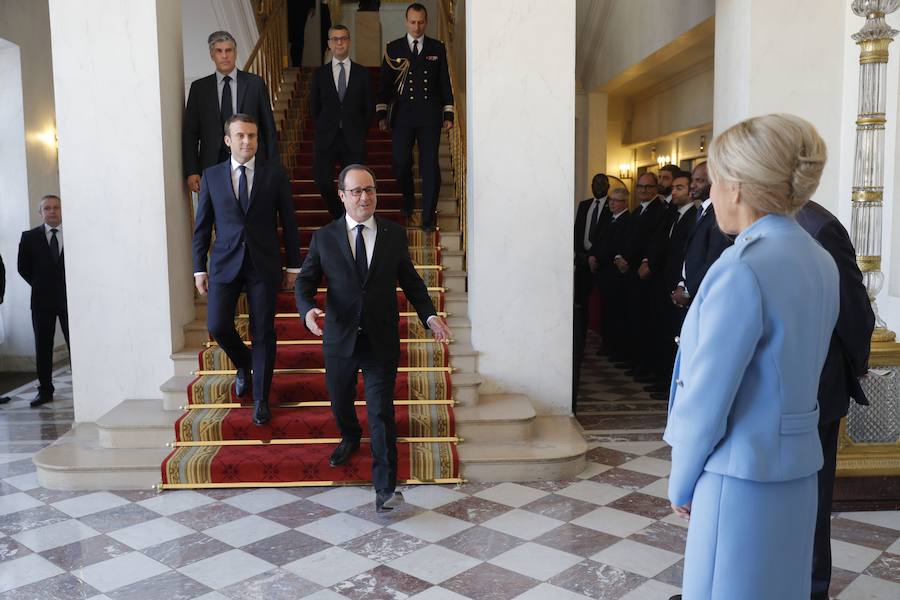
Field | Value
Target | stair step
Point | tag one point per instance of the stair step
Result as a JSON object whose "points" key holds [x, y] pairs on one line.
{"points": [[496, 417], [456, 304], [556, 451], [137, 424], [76, 461], [465, 388]]}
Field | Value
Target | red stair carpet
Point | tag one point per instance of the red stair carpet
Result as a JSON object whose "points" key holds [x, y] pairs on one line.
{"points": [[217, 444]]}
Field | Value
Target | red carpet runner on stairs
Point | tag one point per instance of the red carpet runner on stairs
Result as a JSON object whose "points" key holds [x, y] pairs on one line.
{"points": [[216, 442]]}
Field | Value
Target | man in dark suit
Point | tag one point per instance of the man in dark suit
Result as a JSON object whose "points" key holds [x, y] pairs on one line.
{"points": [[591, 217], [847, 360], [666, 258], [416, 78], [363, 258], [341, 104], [3, 399], [42, 264], [243, 198], [212, 100], [705, 242], [646, 218], [612, 275]]}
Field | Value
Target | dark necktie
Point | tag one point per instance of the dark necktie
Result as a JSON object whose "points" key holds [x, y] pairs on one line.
{"points": [[415, 47], [243, 193], [54, 245], [342, 81], [700, 214], [362, 264], [226, 109]]}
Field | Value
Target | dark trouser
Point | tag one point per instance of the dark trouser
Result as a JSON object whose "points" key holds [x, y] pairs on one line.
{"points": [[323, 168], [379, 376], [429, 139], [641, 322], [821, 567], [223, 297], [43, 321], [614, 325]]}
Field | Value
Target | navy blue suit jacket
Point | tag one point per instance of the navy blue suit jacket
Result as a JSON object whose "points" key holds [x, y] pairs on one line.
{"points": [[705, 243], [848, 352], [237, 233], [352, 116]]}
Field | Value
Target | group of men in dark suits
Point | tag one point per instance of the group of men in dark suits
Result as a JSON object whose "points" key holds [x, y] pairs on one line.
{"points": [[673, 239], [644, 262], [231, 159]]}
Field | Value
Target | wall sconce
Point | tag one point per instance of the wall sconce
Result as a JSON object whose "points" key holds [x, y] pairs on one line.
{"points": [[624, 171], [663, 160], [702, 143]]}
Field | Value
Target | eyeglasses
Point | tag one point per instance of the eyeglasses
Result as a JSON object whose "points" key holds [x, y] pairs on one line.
{"points": [[358, 192], [646, 187], [338, 40]]}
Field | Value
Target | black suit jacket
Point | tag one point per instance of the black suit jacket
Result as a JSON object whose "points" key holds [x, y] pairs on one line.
{"points": [[236, 233], [615, 240], [674, 247], [642, 229], [426, 98], [705, 243], [369, 304], [46, 277], [353, 115], [848, 353], [202, 134], [581, 221]]}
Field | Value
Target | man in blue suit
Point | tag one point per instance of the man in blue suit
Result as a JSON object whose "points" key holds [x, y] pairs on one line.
{"points": [[244, 199], [846, 361]]}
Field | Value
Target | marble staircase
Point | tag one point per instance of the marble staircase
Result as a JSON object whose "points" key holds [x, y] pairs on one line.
{"points": [[503, 437]]}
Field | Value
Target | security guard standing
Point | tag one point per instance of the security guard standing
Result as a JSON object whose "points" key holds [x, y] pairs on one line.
{"points": [[415, 101]]}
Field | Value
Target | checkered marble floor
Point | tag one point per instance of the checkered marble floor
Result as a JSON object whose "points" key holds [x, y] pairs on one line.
{"points": [[606, 535]]}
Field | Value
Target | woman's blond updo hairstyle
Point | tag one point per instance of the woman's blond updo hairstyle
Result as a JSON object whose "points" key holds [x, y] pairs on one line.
{"points": [[777, 160]]}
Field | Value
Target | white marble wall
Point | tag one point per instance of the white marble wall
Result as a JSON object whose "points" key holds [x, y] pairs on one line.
{"points": [[200, 18], [521, 115], [117, 69]]}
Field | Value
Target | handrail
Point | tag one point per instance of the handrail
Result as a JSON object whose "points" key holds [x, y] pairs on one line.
{"points": [[269, 58], [457, 135]]}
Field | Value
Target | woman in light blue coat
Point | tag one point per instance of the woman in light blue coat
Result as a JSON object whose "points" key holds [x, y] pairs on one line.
{"points": [[743, 413]]}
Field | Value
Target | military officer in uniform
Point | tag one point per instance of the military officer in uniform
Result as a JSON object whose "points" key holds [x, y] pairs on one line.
{"points": [[415, 84]]}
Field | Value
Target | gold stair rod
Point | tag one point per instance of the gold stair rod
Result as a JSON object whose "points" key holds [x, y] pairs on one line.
{"points": [[318, 403], [271, 484], [313, 371], [214, 344], [307, 442], [297, 315], [431, 289]]}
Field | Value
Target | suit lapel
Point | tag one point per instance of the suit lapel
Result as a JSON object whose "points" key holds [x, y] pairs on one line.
{"points": [[339, 230], [241, 84], [381, 239], [259, 179]]}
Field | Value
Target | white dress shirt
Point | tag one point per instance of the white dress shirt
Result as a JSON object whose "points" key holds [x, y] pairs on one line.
{"points": [[236, 175], [410, 39], [369, 234], [59, 236], [596, 206], [336, 70], [220, 84]]}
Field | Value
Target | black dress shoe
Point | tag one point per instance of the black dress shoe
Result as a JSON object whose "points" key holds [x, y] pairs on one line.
{"points": [[343, 452], [242, 382], [261, 413], [387, 501], [41, 399], [4, 399], [675, 597]]}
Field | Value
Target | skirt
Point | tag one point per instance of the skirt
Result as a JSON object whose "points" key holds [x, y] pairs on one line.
{"points": [[750, 540]]}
